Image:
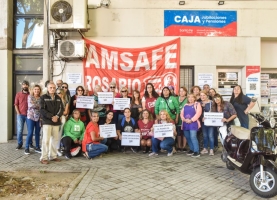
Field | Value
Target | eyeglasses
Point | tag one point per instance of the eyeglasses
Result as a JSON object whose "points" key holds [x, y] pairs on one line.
{"points": [[112, 87], [64, 87], [80, 90], [58, 93], [124, 91], [216, 98]]}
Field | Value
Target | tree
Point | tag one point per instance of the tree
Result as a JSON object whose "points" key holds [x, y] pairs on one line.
{"points": [[29, 11]]}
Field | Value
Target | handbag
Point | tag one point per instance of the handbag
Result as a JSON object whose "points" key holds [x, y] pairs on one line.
{"points": [[172, 111]]}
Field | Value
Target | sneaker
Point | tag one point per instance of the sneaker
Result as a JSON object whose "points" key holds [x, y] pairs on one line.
{"points": [[31, 146], [195, 154], [185, 150], [190, 152], [204, 151], [170, 154], [67, 157], [38, 150], [153, 154], [75, 151], [211, 152], [59, 153], [26, 152], [18, 147]]}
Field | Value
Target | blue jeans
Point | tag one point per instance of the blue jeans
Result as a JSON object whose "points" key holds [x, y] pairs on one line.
{"points": [[31, 125], [208, 134], [96, 149], [19, 126], [166, 144], [244, 125], [191, 136], [104, 141]]}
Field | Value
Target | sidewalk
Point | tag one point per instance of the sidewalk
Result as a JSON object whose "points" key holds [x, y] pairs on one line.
{"points": [[137, 176]]}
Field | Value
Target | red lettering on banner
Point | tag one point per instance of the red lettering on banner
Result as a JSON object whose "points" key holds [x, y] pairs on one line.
{"points": [[132, 67]]}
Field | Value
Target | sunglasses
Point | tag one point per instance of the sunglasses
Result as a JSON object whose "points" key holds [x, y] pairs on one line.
{"points": [[58, 93], [64, 87], [124, 91], [112, 87]]}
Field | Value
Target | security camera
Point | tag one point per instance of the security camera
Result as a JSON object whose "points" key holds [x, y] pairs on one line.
{"points": [[105, 3]]}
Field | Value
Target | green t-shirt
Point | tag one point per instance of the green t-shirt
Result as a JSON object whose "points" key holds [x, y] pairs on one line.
{"points": [[181, 106]]}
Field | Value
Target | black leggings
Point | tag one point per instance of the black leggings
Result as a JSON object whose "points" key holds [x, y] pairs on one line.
{"points": [[68, 144]]}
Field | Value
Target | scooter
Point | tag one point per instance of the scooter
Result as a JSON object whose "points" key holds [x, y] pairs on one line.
{"points": [[253, 152]]}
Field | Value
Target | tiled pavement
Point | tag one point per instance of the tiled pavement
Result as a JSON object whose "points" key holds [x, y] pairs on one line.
{"points": [[137, 176]]}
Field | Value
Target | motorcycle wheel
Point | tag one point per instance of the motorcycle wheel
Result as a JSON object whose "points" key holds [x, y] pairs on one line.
{"points": [[267, 189], [229, 166]]}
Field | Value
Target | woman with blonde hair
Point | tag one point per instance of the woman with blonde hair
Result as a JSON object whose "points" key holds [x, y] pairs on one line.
{"points": [[124, 94], [165, 143], [115, 95], [190, 116], [145, 124]]}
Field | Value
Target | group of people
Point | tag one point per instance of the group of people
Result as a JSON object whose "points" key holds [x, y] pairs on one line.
{"points": [[76, 130]]}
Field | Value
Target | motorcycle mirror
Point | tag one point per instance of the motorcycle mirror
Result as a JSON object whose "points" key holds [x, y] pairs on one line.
{"points": [[272, 122]]}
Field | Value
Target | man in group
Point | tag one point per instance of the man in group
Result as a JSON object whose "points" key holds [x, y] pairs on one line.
{"points": [[59, 83], [21, 107], [51, 109], [206, 88]]}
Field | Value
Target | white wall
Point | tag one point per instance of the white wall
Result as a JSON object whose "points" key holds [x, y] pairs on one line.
{"points": [[6, 103], [140, 23]]}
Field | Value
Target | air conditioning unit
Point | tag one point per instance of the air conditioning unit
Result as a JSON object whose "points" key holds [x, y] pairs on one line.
{"points": [[68, 14], [71, 48]]}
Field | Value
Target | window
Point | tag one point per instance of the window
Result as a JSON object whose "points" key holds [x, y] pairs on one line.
{"points": [[28, 63], [186, 76], [28, 24]]}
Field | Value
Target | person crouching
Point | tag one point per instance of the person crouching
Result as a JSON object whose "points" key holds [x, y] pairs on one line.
{"points": [[91, 144], [74, 130]]}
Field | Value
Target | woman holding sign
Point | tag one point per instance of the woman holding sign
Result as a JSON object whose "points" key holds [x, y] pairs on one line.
{"points": [[111, 142], [145, 124], [208, 131], [165, 143], [190, 116], [100, 108], [79, 92], [115, 95], [91, 144], [229, 112]]}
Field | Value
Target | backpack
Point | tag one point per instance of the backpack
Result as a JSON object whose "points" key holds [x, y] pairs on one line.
{"points": [[123, 120]]}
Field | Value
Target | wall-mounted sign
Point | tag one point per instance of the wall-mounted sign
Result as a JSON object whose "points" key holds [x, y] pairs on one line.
{"points": [[253, 80], [200, 23]]}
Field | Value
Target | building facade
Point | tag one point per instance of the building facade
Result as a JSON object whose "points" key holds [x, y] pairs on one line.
{"points": [[133, 24]]}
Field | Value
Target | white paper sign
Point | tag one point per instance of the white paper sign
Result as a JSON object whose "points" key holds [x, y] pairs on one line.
{"points": [[130, 139], [121, 103], [74, 78], [163, 130], [107, 131], [205, 78], [86, 102], [213, 119], [105, 97]]}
